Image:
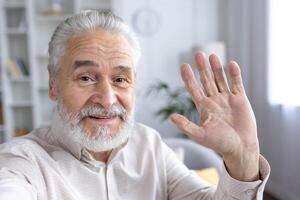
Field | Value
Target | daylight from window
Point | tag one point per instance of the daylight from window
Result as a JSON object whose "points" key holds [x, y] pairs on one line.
{"points": [[284, 52]]}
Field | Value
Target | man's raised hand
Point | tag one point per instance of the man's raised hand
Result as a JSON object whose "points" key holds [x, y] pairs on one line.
{"points": [[227, 123]]}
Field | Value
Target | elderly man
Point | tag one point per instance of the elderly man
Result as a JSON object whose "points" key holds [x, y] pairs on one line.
{"points": [[95, 150]]}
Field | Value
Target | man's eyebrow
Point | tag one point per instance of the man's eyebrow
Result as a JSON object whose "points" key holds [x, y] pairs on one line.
{"points": [[84, 63], [123, 68]]}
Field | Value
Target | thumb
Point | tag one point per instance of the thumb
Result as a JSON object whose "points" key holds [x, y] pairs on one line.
{"points": [[188, 127]]}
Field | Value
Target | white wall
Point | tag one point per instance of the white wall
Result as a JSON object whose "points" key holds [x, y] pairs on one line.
{"points": [[184, 24], [242, 24], [246, 34]]}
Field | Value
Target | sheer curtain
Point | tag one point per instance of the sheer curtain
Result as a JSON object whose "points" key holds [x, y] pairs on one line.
{"points": [[271, 82], [284, 44], [284, 81]]}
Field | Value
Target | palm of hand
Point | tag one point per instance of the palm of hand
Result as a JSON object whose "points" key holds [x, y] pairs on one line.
{"points": [[227, 123]]}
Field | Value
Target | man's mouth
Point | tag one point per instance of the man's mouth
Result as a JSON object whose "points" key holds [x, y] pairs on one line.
{"points": [[102, 119]]}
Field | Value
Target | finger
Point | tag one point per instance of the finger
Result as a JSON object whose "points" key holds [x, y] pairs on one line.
{"points": [[219, 74], [189, 128], [206, 76], [235, 78], [191, 84]]}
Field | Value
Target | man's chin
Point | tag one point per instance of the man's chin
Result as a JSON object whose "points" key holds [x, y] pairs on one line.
{"points": [[101, 142], [102, 138], [96, 131], [93, 132]]}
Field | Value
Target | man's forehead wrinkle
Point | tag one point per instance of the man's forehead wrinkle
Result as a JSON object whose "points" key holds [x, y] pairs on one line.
{"points": [[95, 41], [113, 54], [98, 49]]}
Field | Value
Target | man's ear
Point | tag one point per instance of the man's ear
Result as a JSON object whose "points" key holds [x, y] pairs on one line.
{"points": [[52, 89]]}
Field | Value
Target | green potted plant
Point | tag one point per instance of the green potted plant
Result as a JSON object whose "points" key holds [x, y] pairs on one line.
{"points": [[177, 101]]}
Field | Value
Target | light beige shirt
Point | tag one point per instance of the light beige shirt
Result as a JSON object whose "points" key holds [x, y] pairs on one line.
{"points": [[46, 167]]}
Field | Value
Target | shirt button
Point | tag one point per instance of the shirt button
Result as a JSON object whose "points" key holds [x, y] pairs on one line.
{"points": [[249, 192]]}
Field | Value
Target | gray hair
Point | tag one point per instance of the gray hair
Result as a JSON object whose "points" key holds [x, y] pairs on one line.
{"points": [[85, 21]]}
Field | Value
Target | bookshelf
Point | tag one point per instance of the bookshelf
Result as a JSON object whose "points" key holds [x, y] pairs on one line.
{"points": [[16, 85], [2, 129], [25, 30]]}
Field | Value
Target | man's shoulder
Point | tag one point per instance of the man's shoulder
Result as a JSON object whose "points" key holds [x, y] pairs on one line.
{"points": [[20, 157], [24, 145]]}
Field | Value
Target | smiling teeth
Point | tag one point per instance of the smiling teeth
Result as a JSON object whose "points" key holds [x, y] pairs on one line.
{"points": [[102, 117]]}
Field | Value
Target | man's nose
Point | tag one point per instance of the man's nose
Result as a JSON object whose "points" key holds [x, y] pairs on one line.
{"points": [[105, 94]]}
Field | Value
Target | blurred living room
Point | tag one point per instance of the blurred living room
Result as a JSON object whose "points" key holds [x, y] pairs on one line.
{"points": [[261, 35]]}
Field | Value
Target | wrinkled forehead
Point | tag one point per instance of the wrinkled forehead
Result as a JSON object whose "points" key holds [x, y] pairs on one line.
{"points": [[99, 44]]}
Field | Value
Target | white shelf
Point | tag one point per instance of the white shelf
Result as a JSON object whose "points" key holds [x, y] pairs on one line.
{"points": [[14, 4], [21, 104], [21, 79], [16, 31]]}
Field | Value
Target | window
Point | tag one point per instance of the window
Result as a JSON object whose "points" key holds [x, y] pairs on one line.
{"points": [[284, 52]]}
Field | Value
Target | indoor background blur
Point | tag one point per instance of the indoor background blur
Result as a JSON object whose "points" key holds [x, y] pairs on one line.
{"points": [[262, 36]]}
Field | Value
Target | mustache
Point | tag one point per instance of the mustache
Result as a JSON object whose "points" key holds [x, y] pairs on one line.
{"points": [[98, 110]]}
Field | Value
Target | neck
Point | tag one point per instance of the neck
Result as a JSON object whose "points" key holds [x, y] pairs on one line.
{"points": [[101, 156]]}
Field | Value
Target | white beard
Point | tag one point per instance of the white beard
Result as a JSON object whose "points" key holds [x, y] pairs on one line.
{"points": [[101, 140]]}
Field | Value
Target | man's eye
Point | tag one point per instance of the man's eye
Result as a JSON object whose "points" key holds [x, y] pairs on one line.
{"points": [[85, 78], [120, 80]]}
